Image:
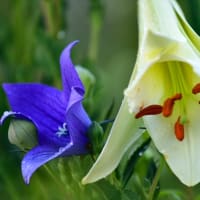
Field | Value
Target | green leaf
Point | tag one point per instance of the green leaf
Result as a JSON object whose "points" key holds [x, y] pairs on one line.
{"points": [[170, 195], [130, 165], [130, 195]]}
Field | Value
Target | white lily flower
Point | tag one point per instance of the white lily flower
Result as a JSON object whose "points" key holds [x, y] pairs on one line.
{"points": [[164, 91]]}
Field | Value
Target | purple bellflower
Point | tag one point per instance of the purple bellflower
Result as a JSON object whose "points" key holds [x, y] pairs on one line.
{"points": [[58, 115]]}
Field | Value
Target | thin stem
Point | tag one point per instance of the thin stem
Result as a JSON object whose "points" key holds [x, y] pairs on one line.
{"points": [[58, 182], [54, 177], [46, 11], [51, 11], [155, 181], [190, 193], [96, 17]]}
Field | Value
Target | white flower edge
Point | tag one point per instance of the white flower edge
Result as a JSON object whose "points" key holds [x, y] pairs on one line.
{"points": [[125, 131]]}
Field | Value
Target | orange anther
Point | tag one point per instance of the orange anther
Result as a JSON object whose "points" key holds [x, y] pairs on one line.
{"points": [[196, 89], [149, 110], [179, 130], [169, 104]]}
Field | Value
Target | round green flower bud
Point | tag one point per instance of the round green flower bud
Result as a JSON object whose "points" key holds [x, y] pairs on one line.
{"points": [[87, 78], [22, 133], [95, 133]]}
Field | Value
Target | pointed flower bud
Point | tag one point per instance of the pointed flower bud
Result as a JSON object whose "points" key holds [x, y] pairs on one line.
{"points": [[87, 78]]}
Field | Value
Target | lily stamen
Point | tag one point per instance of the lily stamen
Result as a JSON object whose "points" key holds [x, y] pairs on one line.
{"points": [[149, 110], [179, 130], [196, 89], [169, 104]]}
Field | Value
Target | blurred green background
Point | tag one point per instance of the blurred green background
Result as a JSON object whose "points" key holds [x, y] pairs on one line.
{"points": [[32, 35]]}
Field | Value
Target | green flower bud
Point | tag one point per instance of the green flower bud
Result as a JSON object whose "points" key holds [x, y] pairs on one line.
{"points": [[87, 78], [95, 134], [22, 133]]}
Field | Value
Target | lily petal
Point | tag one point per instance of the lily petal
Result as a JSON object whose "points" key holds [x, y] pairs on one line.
{"points": [[167, 64], [158, 42], [190, 33], [172, 67], [43, 105], [123, 134], [182, 157]]}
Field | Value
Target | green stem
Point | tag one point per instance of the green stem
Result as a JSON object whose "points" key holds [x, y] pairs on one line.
{"points": [[55, 178], [96, 17], [155, 181], [46, 6], [190, 193], [62, 172]]}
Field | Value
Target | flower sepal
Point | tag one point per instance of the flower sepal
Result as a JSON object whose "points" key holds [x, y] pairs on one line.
{"points": [[95, 134]]}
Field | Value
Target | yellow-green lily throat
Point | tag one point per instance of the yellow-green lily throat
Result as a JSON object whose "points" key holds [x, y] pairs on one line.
{"points": [[166, 109]]}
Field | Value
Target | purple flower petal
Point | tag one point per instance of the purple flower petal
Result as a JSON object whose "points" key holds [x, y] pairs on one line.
{"points": [[44, 105], [70, 77], [7, 114], [77, 119], [40, 155]]}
